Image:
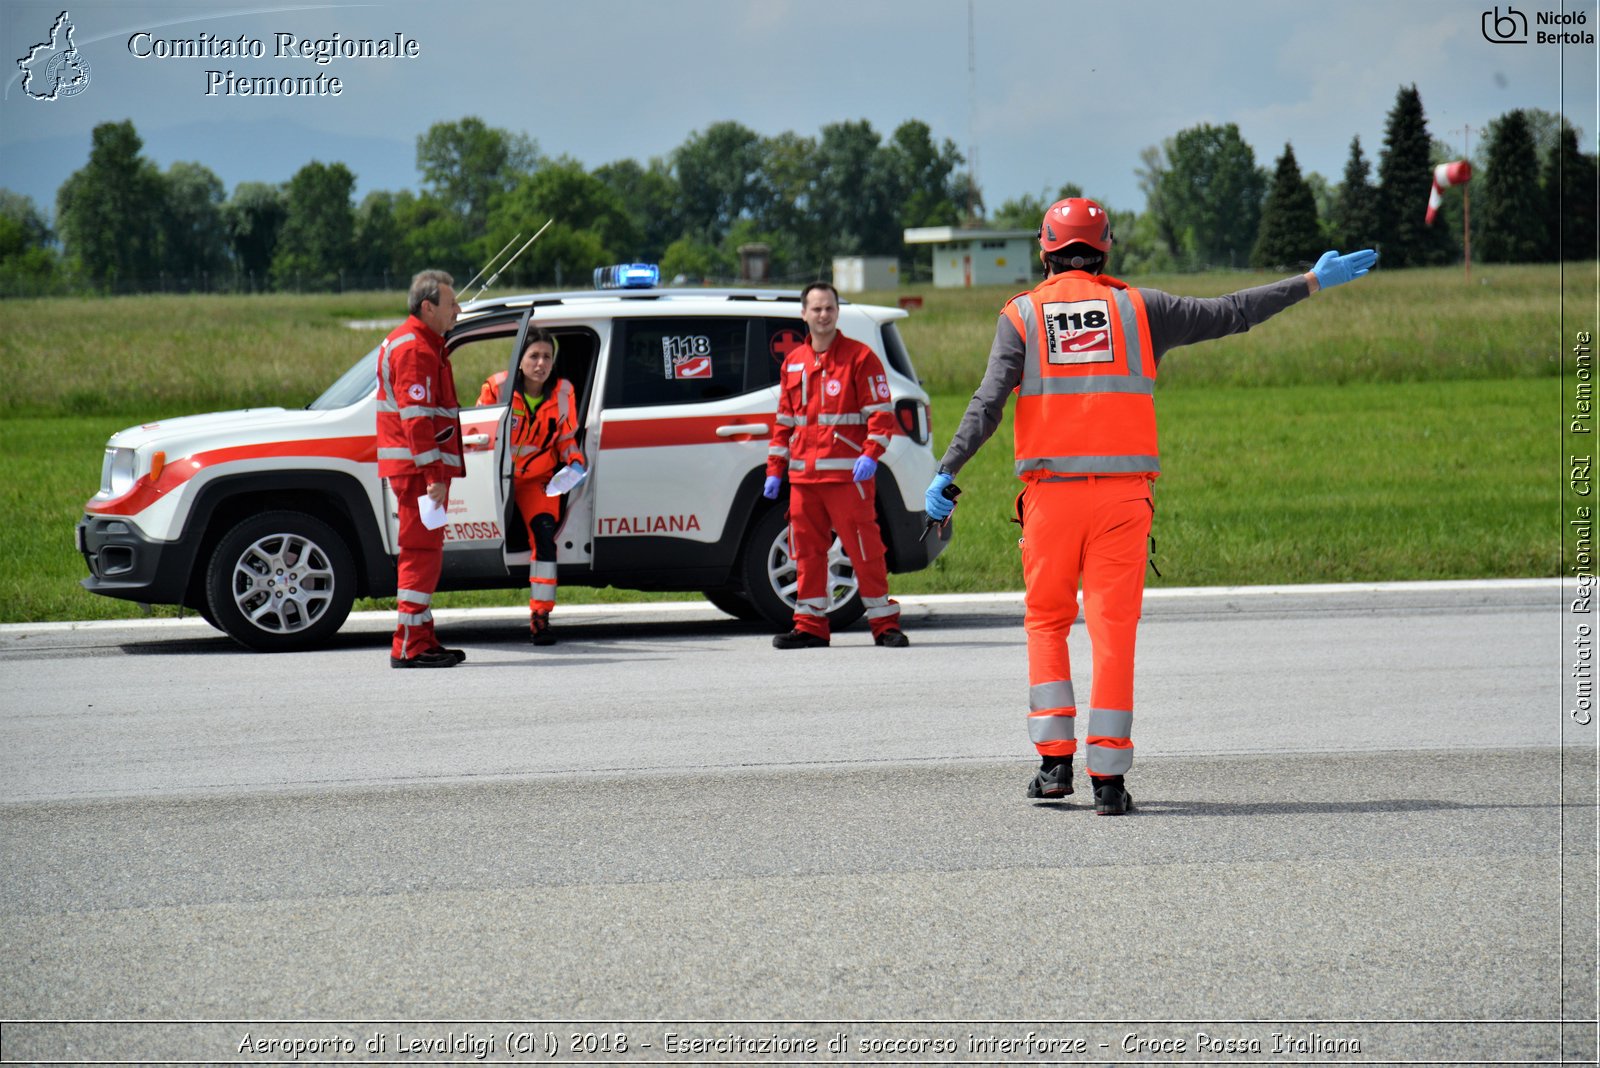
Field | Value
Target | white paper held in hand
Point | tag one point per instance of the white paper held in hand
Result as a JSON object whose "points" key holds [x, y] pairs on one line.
{"points": [[433, 515], [568, 478]]}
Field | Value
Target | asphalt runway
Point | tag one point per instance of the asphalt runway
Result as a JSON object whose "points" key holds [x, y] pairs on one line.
{"points": [[1365, 832]]}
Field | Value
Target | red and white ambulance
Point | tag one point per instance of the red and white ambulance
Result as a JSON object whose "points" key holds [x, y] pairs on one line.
{"points": [[270, 522]]}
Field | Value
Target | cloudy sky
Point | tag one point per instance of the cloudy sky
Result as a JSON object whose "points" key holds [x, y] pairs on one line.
{"points": [[1060, 91]]}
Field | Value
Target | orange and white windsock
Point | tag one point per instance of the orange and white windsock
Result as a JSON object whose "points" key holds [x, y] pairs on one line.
{"points": [[1446, 175]]}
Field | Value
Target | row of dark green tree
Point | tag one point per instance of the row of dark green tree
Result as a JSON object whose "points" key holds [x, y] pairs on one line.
{"points": [[122, 225]]}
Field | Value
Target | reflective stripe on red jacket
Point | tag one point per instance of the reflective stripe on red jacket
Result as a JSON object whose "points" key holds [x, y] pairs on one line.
{"points": [[419, 431], [1086, 401], [832, 410]]}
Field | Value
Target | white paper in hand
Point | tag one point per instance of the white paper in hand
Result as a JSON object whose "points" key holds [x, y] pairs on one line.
{"points": [[568, 478], [433, 515]]}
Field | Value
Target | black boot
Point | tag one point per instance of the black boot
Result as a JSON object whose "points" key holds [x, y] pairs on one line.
{"points": [[1111, 797]]}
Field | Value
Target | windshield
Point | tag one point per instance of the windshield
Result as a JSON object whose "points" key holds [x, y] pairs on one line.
{"points": [[356, 384]]}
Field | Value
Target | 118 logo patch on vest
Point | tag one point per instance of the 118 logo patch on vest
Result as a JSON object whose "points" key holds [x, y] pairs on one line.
{"points": [[1078, 331]]}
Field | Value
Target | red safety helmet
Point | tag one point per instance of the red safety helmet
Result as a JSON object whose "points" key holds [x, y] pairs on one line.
{"points": [[1075, 220]]}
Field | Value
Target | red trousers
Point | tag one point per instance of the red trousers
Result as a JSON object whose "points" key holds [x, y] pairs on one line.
{"points": [[1094, 529], [421, 557], [816, 511], [539, 510]]}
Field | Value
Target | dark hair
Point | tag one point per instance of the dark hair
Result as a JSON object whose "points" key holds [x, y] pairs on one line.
{"points": [[535, 335], [805, 293], [1076, 257]]}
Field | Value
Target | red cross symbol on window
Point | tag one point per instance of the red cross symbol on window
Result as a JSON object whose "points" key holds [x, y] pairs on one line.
{"points": [[785, 342]]}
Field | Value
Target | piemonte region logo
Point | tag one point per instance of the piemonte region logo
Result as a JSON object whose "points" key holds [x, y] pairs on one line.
{"points": [[55, 69]]}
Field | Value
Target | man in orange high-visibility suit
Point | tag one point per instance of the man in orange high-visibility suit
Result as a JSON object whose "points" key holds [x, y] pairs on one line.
{"points": [[833, 424], [419, 452], [1081, 351], [541, 442]]}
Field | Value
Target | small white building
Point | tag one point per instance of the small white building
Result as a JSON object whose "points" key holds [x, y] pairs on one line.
{"points": [[964, 258], [853, 274]]}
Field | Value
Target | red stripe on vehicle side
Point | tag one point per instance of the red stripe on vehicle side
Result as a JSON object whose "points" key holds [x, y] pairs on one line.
{"points": [[692, 430], [144, 493]]}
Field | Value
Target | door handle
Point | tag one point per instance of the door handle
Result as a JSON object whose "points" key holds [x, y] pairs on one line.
{"points": [[734, 430], [475, 441]]}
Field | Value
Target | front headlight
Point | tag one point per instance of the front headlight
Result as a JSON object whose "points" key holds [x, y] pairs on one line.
{"points": [[118, 471]]}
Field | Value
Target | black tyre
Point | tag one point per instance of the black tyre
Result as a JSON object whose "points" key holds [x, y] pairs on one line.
{"points": [[281, 581], [733, 602], [769, 575]]}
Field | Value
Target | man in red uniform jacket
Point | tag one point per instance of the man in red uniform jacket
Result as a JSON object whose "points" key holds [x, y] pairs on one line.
{"points": [[419, 452], [834, 422]]}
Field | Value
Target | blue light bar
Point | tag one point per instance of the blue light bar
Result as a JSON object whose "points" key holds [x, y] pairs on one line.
{"points": [[627, 276]]}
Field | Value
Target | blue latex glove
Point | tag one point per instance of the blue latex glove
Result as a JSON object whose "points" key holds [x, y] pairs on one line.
{"points": [[865, 468], [1335, 270], [935, 503], [770, 489]]}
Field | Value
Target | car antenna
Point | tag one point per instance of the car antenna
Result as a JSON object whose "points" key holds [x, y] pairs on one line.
{"points": [[493, 278], [485, 267]]}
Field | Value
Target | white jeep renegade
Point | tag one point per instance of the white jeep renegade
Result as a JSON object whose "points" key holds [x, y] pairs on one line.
{"points": [[271, 522]]}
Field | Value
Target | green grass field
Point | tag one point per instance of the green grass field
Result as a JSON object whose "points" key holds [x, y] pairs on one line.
{"points": [[1408, 426]]}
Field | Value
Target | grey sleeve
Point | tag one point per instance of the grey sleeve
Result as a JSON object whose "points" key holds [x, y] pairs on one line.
{"points": [[988, 405], [1178, 321]]}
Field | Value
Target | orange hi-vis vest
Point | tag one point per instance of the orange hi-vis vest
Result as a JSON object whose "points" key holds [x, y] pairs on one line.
{"points": [[547, 440], [1086, 402]]}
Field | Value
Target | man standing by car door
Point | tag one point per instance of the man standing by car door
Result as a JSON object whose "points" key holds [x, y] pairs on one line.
{"points": [[419, 452], [834, 421]]}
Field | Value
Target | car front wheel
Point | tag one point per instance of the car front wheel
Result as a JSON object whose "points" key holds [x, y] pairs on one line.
{"points": [[771, 578], [280, 582]]}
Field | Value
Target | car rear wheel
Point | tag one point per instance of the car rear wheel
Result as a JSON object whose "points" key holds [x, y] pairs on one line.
{"points": [[281, 581], [770, 576]]}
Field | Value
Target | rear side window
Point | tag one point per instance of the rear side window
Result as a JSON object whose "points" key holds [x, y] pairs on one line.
{"points": [[895, 349], [675, 361]]}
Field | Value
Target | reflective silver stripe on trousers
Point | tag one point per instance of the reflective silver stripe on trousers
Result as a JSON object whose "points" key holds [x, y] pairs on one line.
{"points": [[841, 419], [1047, 695], [1051, 728], [879, 607], [1088, 384], [812, 606], [416, 619], [1105, 761], [1109, 723], [1091, 465], [414, 596], [542, 569]]}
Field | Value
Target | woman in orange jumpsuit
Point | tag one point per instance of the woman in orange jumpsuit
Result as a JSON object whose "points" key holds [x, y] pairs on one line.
{"points": [[544, 428]]}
